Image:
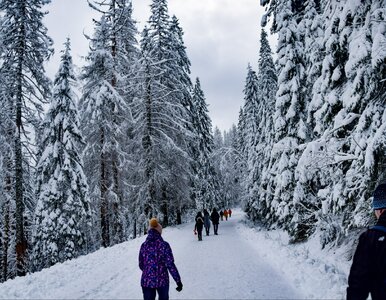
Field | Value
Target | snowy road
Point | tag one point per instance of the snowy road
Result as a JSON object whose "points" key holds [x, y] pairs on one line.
{"points": [[219, 267]]}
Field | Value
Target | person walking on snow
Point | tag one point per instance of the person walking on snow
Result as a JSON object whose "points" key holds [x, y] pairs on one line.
{"points": [[368, 269], [221, 215], [206, 221], [229, 212], [215, 217], [226, 214], [199, 225], [155, 259]]}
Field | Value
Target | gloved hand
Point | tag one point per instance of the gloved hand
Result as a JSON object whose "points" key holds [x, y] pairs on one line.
{"points": [[179, 286]]}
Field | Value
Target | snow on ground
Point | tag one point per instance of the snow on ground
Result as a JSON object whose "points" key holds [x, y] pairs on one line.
{"points": [[239, 263], [315, 273]]}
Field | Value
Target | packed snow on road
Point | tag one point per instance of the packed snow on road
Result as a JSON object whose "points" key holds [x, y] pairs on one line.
{"points": [[239, 263]]}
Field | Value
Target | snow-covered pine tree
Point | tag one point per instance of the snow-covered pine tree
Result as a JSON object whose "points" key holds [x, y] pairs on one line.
{"points": [[122, 44], [7, 205], [340, 160], [63, 209], [231, 170], [217, 160], [163, 122], [258, 173], [104, 113], [354, 141], [252, 117], [291, 131], [218, 140], [28, 47], [185, 89], [206, 185], [241, 133], [310, 175]]}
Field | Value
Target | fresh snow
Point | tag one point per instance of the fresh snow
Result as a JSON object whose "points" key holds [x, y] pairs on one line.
{"points": [[239, 263]]}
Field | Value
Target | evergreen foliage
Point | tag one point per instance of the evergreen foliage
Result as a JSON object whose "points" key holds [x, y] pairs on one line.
{"points": [[164, 120], [328, 117], [63, 209], [206, 185], [25, 48]]}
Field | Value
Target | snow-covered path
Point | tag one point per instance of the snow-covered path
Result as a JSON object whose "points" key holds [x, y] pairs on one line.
{"points": [[219, 267]]}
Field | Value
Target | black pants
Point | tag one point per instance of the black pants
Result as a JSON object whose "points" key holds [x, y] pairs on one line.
{"points": [[149, 293], [215, 227], [207, 229], [199, 235]]}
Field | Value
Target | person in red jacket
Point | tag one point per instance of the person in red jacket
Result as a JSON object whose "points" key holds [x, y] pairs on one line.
{"points": [[226, 214], [229, 212]]}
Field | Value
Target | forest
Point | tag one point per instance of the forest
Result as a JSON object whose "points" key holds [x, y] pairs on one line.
{"points": [[78, 173]]}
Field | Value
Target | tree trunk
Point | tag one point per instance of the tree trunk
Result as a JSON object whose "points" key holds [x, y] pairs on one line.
{"points": [[6, 239], [21, 243], [164, 208], [179, 219], [105, 228], [117, 206], [135, 229]]}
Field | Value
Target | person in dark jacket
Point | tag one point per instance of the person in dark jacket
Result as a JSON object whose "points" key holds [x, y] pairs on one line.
{"points": [[155, 259], [206, 221], [199, 226], [215, 217], [222, 215], [368, 269]]}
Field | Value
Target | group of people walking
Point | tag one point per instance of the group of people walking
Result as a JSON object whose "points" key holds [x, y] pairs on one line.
{"points": [[225, 214], [204, 220]]}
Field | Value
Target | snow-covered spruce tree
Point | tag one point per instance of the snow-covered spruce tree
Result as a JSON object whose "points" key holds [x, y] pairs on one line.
{"points": [[185, 89], [251, 116], [230, 168], [241, 134], [310, 173], [355, 137], [206, 185], [291, 131], [163, 121], [63, 209], [341, 161], [218, 140], [28, 47], [121, 44], [262, 146], [104, 115], [217, 160], [7, 205]]}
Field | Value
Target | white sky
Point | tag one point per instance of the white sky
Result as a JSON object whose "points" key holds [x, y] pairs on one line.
{"points": [[221, 36]]}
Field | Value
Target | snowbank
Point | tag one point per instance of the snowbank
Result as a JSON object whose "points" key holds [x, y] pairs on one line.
{"points": [[317, 273]]}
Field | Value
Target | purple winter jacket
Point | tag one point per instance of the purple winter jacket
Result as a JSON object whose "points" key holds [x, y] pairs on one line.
{"points": [[155, 259]]}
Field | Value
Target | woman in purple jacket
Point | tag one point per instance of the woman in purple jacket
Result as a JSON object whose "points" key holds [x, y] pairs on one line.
{"points": [[155, 259]]}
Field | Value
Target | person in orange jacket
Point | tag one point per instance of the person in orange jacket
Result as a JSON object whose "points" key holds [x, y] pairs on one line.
{"points": [[226, 214]]}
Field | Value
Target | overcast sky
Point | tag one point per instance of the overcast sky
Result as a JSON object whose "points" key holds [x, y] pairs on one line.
{"points": [[221, 37]]}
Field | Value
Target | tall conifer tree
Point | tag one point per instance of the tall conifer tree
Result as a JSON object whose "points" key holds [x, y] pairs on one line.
{"points": [[206, 186], [164, 118], [28, 48], [63, 208]]}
